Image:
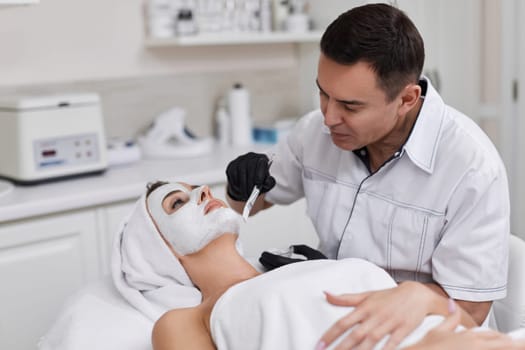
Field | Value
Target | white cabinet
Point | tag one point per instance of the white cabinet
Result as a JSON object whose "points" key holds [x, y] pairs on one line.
{"points": [[109, 220], [45, 260], [42, 262]]}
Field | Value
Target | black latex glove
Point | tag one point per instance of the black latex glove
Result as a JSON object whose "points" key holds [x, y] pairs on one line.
{"points": [[271, 261], [245, 172]]}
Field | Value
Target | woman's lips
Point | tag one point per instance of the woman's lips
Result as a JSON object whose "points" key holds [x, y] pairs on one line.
{"points": [[212, 205]]}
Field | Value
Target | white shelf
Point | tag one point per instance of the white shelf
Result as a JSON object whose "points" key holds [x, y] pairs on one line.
{"points": [[18, 2], [210, 39]]}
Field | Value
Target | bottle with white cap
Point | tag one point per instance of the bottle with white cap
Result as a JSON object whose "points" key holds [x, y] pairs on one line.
{"points": [[222, 124], [240, 116]]}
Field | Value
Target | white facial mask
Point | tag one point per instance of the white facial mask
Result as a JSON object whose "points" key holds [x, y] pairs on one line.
{"points": [[188, 230]]}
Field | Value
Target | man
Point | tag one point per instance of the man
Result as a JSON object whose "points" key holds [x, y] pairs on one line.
{"points": [[391, 175]]}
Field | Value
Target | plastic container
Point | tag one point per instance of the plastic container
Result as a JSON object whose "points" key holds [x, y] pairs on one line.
{"points": [[280, 11], [160, 16], [266, 16], [185, 24], [297, 22], [161, 27], [272, 133]]}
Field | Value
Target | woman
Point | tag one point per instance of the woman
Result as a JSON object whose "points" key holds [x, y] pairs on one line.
{"points": [[243, 309]]}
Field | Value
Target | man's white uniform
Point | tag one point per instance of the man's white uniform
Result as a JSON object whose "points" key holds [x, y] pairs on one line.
{"points": [[438, 210]]}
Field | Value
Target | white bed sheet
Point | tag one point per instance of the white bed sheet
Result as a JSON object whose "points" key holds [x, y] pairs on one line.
{"points": [[98, 318]]}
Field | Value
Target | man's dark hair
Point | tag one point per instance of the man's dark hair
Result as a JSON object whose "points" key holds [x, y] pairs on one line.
{"points": [[382, 36]]}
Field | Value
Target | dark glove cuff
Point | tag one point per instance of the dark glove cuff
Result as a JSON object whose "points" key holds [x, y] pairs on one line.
{"points": [[272, 260], [308, 252]]}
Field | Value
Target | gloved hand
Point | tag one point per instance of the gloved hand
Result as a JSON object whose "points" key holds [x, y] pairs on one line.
{"points": [[247, 171], [271, 261]]}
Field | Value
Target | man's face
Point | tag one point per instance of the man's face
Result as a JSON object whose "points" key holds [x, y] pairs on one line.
{"points": [[355, 109]]}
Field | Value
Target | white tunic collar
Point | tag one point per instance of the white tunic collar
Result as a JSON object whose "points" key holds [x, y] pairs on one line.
{"points": [[423, 141]]}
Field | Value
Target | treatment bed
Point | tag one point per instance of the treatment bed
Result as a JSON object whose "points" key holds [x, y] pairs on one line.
{"points": [[98, 317]]}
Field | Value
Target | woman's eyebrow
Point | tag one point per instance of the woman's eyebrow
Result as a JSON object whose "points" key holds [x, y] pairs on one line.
{"points": [[171, 194]]}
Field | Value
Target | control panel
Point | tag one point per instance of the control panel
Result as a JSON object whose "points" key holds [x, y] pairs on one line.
{"points": [[66, 151]]}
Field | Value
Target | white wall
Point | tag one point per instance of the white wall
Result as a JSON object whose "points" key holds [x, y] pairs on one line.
{"points": [[130, 104], [513, 109], [98, 45], [519, 217], [68, 40]]}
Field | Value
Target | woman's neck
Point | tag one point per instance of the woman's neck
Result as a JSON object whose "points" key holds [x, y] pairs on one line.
{"points": [[217, 267]]}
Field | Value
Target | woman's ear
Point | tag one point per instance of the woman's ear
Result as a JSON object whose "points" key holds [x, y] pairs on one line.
{"points": [[409, 98]]}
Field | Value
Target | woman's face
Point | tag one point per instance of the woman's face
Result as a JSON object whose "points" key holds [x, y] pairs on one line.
{"points": [[177, 199], [189, 217]]}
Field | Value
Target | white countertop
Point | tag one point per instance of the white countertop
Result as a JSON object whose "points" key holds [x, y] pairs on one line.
{"points": [[116, 184]]}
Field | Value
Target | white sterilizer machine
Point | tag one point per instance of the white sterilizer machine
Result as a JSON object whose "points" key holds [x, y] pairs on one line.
{"points": [[51, 137]]}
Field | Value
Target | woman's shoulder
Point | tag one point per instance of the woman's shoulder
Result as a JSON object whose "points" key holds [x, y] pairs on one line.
{"points": [[182, 328]]}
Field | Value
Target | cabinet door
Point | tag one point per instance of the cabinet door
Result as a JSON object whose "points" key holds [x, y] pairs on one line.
{"points": [[277, 227], [110, 218], [42, 262]]}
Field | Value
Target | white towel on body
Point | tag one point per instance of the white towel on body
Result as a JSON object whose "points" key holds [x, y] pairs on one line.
{"points": [[286, 308], [145, 271]]}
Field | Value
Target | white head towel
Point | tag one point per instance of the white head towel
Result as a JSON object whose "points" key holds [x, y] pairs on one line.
{"points": [[144, 269]]}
